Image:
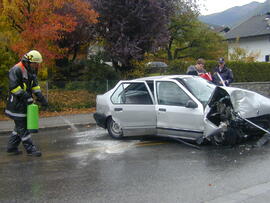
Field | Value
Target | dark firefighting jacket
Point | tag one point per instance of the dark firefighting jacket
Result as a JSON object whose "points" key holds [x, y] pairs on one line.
{"points": [[22, 84]]}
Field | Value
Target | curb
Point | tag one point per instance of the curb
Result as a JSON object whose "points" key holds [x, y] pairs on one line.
{"points": [[47, 128], [57, 122]]}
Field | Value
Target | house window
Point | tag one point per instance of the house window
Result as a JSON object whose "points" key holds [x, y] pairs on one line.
{"points": [[267, 58]]}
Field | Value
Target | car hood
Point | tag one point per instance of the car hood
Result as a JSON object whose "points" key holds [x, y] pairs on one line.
{"points": [[247, 103]]}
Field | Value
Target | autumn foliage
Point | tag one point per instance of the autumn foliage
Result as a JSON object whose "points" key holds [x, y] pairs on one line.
{"points": [[39, 24]]}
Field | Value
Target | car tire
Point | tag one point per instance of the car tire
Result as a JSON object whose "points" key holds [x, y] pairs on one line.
{"points": [[114, 129], [230, 137]]}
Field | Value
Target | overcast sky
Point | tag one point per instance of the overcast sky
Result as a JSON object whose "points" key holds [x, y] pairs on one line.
{"points": [[215, 6]]}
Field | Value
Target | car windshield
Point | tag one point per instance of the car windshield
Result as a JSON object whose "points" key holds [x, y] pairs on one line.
{"points": [[199, 87]]}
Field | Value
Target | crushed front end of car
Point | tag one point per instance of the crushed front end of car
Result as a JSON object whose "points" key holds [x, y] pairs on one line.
{"points": [[233, 115]]}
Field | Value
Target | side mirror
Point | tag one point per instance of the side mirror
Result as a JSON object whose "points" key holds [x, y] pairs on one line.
{"points": [[191, 104]]}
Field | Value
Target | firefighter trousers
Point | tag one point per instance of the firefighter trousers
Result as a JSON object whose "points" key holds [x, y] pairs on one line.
{"points": [[20, 134]]}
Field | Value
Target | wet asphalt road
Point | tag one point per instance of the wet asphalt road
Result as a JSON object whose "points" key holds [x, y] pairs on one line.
{"points": [[85, 165]]}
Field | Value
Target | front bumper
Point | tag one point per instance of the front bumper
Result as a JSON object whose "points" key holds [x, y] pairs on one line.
{"points": [[100, 119]]}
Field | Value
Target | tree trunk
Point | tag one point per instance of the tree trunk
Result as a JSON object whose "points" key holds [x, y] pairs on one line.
{"points": [[115, 65], [169, 52], [75, 52]]}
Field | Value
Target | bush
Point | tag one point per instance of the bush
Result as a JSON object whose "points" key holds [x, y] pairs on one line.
{"points": [[100, 76], [76, 85], [178, 67], [250, 72], [92, 75], [7, 59]]}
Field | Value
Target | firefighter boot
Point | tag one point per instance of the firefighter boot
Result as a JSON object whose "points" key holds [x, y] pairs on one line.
{"points": [[13, 143], [31, 148]]}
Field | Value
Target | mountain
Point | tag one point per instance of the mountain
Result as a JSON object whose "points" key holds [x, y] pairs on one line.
{"points": [[262, 8], [236, 15]]}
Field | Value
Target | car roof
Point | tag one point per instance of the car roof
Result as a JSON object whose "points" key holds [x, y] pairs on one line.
{"points": [[160, 77]]}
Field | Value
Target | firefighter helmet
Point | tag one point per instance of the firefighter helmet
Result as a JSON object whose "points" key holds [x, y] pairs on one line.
{"points": [[33, 57]]}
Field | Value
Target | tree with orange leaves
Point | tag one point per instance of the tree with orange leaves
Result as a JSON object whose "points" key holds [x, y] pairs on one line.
{"points": [[42, 24]]}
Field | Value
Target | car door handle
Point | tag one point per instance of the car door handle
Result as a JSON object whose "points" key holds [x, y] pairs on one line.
{"points": [[161, 109], [118, 109]]}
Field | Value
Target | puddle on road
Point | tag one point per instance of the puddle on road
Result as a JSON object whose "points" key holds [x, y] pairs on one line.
{"points": [[101, 144], [93, 133], [113, 148]]}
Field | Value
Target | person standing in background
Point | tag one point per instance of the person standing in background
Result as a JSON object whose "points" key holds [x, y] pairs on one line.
{"points": [[198, 68], [222, 72]]}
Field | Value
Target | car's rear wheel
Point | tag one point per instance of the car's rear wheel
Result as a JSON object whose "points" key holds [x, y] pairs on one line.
{"points": [[114, 129]]}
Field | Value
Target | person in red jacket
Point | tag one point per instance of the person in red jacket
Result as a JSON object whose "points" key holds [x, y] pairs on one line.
{"points": [[22, 85], [199, 70]]}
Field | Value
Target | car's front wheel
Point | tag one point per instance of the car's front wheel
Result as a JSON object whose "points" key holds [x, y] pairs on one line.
{"points": [[230, 137], [114, 129]]}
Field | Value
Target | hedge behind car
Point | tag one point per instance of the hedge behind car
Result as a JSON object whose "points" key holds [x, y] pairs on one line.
{"points": [[242, 71]]}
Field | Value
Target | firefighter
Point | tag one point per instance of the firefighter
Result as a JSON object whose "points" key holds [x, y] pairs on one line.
{"points": [[22, 85]]}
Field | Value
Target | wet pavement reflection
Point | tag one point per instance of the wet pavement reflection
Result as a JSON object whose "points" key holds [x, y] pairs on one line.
{"points": [[86, 165]]}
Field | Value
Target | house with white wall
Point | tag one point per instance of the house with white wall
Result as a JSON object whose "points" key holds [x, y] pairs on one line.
{"points": [[252, 35]]}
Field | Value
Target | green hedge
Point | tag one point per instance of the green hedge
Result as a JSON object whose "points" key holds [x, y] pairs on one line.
{"points": [[7, 60], [243, 72], [250, 72], [91, 75]]}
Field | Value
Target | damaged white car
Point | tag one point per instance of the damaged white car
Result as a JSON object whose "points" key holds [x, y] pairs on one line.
{"points": [[184, 107]]}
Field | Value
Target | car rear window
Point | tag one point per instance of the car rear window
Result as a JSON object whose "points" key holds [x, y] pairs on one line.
{"points": [[131, 93]]}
